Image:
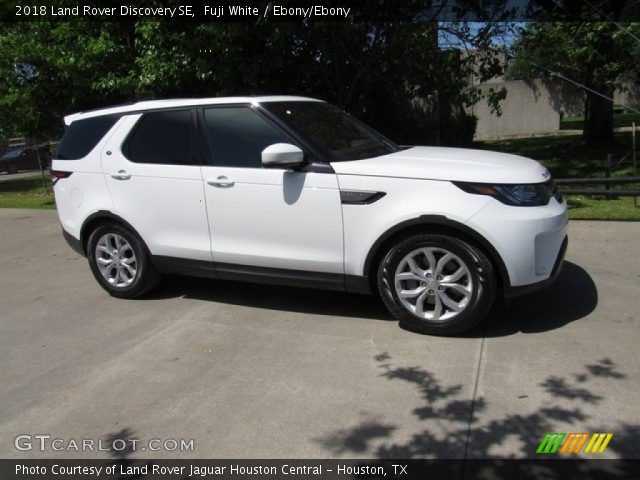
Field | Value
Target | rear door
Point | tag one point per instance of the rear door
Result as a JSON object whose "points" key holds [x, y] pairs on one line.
{"points": [[153, 173]]}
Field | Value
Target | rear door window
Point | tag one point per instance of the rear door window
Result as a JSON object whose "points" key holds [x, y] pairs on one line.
{"points": [[83, 135], [161, 137]]}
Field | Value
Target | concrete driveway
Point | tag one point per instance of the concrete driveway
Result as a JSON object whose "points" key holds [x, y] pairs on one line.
{"points": [[256, 371]]}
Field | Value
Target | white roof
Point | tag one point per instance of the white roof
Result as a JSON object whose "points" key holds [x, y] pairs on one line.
{"points": [[183, 102]]}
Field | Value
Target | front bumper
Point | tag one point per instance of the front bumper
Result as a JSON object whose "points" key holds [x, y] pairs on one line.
{"points": [[510, 292], [530, 241]]}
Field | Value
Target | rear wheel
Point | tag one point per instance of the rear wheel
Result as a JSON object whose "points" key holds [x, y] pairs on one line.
{"points": [[12, 168], [436, 284], [120, 261]]}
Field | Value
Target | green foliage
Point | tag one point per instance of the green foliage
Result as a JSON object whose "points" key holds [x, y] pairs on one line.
{"points": [[51, 69], [393, 76], [458, 130], [594, 53], [601, 56]]}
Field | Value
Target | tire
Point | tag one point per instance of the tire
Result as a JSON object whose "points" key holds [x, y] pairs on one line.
{"points": [[468, 298], [12, 168], [122, 283]]}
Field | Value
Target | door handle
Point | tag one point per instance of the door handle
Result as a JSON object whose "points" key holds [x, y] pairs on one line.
{"points": [[221, 182], [121, 175]]}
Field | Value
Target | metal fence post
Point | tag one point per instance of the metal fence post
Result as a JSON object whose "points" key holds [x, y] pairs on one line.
{"points": [[44, 180], [635, 168], [607, 170]]}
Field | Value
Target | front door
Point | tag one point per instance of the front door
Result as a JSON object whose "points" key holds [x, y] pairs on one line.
{"points": [[262, 217]]}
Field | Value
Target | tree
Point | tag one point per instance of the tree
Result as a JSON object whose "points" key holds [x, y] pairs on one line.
{"points": [[52, 69], [387, 74], [597, 55]]}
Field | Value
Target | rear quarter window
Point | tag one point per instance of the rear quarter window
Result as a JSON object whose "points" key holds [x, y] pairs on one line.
{"points": [[83, 135]]}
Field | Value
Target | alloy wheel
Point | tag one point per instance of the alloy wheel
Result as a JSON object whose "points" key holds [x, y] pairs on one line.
{"points": [[116, 260], [433, 283]]}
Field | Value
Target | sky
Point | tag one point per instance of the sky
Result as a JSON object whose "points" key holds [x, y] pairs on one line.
{"points": [[506, 40]]}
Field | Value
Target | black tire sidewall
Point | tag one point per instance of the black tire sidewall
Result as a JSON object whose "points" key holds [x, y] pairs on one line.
{"points": [[482, 275], [145, 268]]}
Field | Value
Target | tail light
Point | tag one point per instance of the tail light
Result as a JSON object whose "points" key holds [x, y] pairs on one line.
{"points": [[59, 174]]}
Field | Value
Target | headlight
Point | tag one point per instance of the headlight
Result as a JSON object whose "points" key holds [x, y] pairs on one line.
{"points": [[523, 195]]}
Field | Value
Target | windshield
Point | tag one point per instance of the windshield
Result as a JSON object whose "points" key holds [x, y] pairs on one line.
{"points": [[336, 134], [12, 153]]}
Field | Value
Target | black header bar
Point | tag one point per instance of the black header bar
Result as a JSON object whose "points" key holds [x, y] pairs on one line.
{"points": [[321, 10], [298, 469]]}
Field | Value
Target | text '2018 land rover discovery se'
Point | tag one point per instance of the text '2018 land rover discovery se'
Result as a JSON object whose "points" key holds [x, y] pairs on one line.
{"points": [[294, 191]]}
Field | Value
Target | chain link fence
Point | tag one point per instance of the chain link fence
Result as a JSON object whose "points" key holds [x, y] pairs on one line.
{"points": [[27, 155]]}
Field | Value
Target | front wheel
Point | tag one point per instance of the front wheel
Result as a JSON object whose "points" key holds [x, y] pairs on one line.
{"points": [[120, 261], [436, 284]]}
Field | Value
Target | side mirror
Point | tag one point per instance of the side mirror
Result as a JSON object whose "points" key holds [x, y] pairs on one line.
{"points": [[282, 155]]}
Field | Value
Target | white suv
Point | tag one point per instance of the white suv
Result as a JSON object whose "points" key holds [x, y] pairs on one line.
{"points": [[293, 191]]}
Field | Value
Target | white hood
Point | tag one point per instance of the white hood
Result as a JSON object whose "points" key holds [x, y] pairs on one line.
{"points": [[439, 163]]}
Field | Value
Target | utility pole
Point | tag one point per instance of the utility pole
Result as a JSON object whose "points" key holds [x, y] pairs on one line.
{"points": [[635, 167], [44, 180]]}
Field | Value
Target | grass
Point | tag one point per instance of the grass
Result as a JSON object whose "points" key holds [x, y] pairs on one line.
{"points": [[26, 192], [566, 157], [588, 208], [619, 120]]}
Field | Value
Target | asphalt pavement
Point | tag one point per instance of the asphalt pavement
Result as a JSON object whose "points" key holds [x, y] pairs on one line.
{"points": [[251, 371]]}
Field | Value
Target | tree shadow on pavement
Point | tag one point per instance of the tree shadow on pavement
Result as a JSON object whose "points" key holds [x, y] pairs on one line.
{"points": [[448, 425]]}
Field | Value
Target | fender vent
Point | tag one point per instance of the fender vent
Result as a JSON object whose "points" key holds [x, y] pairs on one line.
{"points": [[355, 197]]}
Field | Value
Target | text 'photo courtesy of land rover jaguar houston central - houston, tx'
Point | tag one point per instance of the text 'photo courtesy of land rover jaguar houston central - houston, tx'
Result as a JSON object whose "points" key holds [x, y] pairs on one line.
{"points": [[293, 191]]}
